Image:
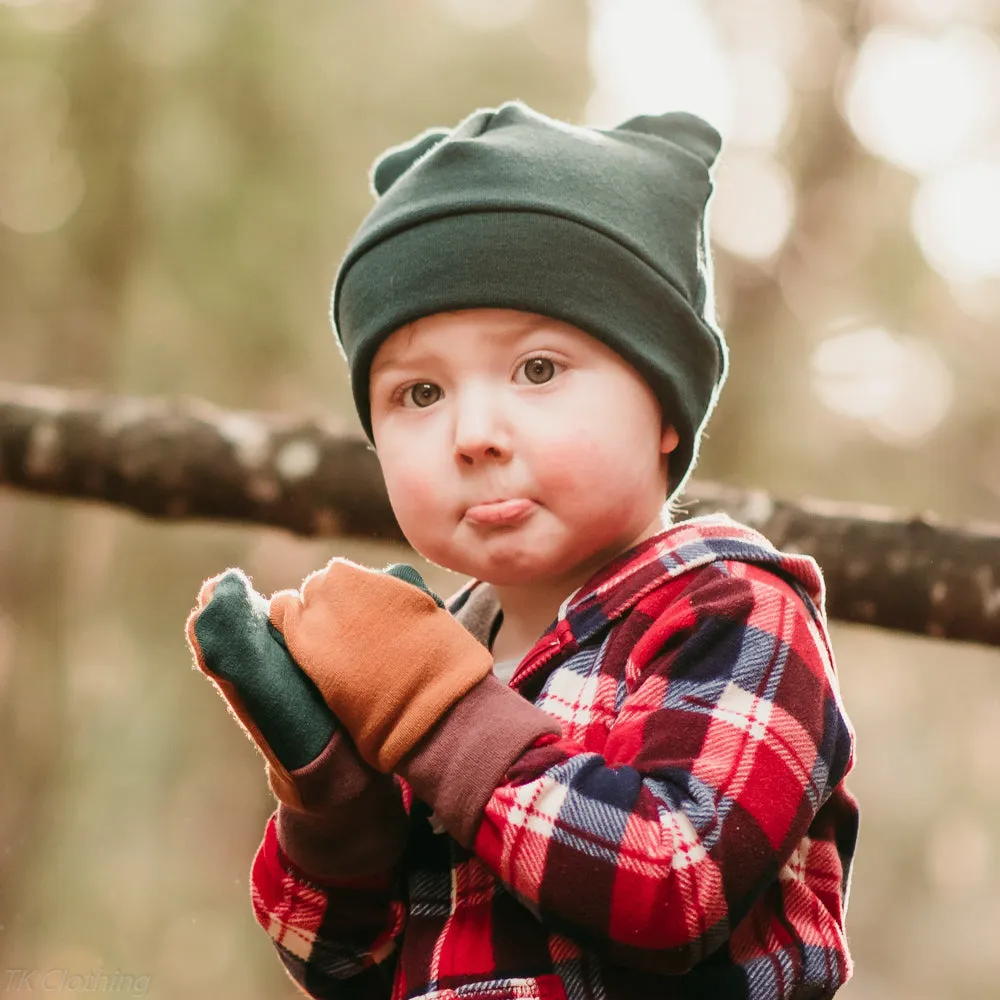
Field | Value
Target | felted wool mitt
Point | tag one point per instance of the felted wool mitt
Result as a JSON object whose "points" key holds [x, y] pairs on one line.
{"points": [[386, 655], [336, 816]]}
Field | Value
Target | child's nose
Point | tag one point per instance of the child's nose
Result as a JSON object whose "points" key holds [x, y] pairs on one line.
{"points": [[481, 431]]}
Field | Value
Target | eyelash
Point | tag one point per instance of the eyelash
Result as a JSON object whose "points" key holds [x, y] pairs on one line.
{"points": [[399, 395]]}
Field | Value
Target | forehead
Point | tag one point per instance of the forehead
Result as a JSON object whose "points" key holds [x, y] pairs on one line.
{"points": [[470, 329]]}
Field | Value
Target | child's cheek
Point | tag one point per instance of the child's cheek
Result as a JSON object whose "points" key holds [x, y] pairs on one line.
{"points": [[413, 494], [565, 465]]}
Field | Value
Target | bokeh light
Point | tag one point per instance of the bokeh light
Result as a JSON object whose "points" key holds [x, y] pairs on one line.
{"points": [[956, 220], [649, 57], [761, 99], [919, 101], [938, 12], [896, 384], [753, 206]]}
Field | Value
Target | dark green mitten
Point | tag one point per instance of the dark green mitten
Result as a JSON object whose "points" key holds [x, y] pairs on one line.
{"points": [[404, 571], [236, 645], [336, 815]]}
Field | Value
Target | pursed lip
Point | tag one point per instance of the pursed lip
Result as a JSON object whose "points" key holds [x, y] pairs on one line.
{"points": [[502, 510]]}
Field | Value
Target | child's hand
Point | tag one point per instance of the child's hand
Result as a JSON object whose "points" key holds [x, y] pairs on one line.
{"points": [[278, 705], [387, 656], [313, 768]]}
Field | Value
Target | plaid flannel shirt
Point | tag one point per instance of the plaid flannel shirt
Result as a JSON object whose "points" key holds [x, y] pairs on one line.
{"points": [[688, 835]]}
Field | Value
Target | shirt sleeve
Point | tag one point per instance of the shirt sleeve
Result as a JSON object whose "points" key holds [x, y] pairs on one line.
{"points": [[337, 938], [714, 791]]}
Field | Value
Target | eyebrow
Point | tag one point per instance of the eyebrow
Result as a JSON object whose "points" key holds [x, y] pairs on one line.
{"points": [[534, 325]]}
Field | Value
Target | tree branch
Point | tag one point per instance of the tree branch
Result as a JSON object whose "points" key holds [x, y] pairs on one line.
{"points": [[183, 459]]}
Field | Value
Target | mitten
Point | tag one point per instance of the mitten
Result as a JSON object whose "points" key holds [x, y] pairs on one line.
{"points": [[336, 816], [386, 655]]}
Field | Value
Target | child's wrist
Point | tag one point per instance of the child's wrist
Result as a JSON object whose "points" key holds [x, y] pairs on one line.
{"points": [[355, 840]]}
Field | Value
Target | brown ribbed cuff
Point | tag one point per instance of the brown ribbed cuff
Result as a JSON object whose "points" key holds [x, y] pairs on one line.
{"points": [[458, 765], [354, 823]]}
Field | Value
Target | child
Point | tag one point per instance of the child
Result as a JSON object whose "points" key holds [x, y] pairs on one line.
{"points": [[614, 766]]}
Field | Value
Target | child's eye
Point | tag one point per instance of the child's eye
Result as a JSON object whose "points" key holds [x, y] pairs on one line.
{"points": [[539, 369], [420, 394]]}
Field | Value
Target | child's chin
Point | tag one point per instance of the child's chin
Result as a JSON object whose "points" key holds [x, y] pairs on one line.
{"points": [[527, 573], [511, 562]]}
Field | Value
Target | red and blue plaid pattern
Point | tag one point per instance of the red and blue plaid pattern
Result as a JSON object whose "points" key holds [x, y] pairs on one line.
{"points": [[688, 835]]}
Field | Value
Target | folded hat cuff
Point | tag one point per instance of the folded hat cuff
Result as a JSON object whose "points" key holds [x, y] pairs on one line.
{"points": [[542, 263]]}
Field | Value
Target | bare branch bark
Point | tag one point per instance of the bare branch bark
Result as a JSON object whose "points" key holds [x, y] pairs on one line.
{"points": [[183, 459], [910, 573]]}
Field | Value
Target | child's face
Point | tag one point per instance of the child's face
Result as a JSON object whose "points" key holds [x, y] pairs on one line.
{"points": [[486, 404]]}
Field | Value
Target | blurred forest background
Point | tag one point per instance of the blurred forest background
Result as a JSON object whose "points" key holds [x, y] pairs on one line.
{"points": [[178, 181]]}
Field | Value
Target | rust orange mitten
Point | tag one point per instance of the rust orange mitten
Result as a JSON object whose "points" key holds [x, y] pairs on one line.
{"points": [[388, 659]]}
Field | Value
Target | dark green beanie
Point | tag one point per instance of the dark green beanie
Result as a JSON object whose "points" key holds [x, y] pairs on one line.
{"points": [[603, 229]]}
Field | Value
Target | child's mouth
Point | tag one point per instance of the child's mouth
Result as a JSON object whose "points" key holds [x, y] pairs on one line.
{"points": [[500, 512]]}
